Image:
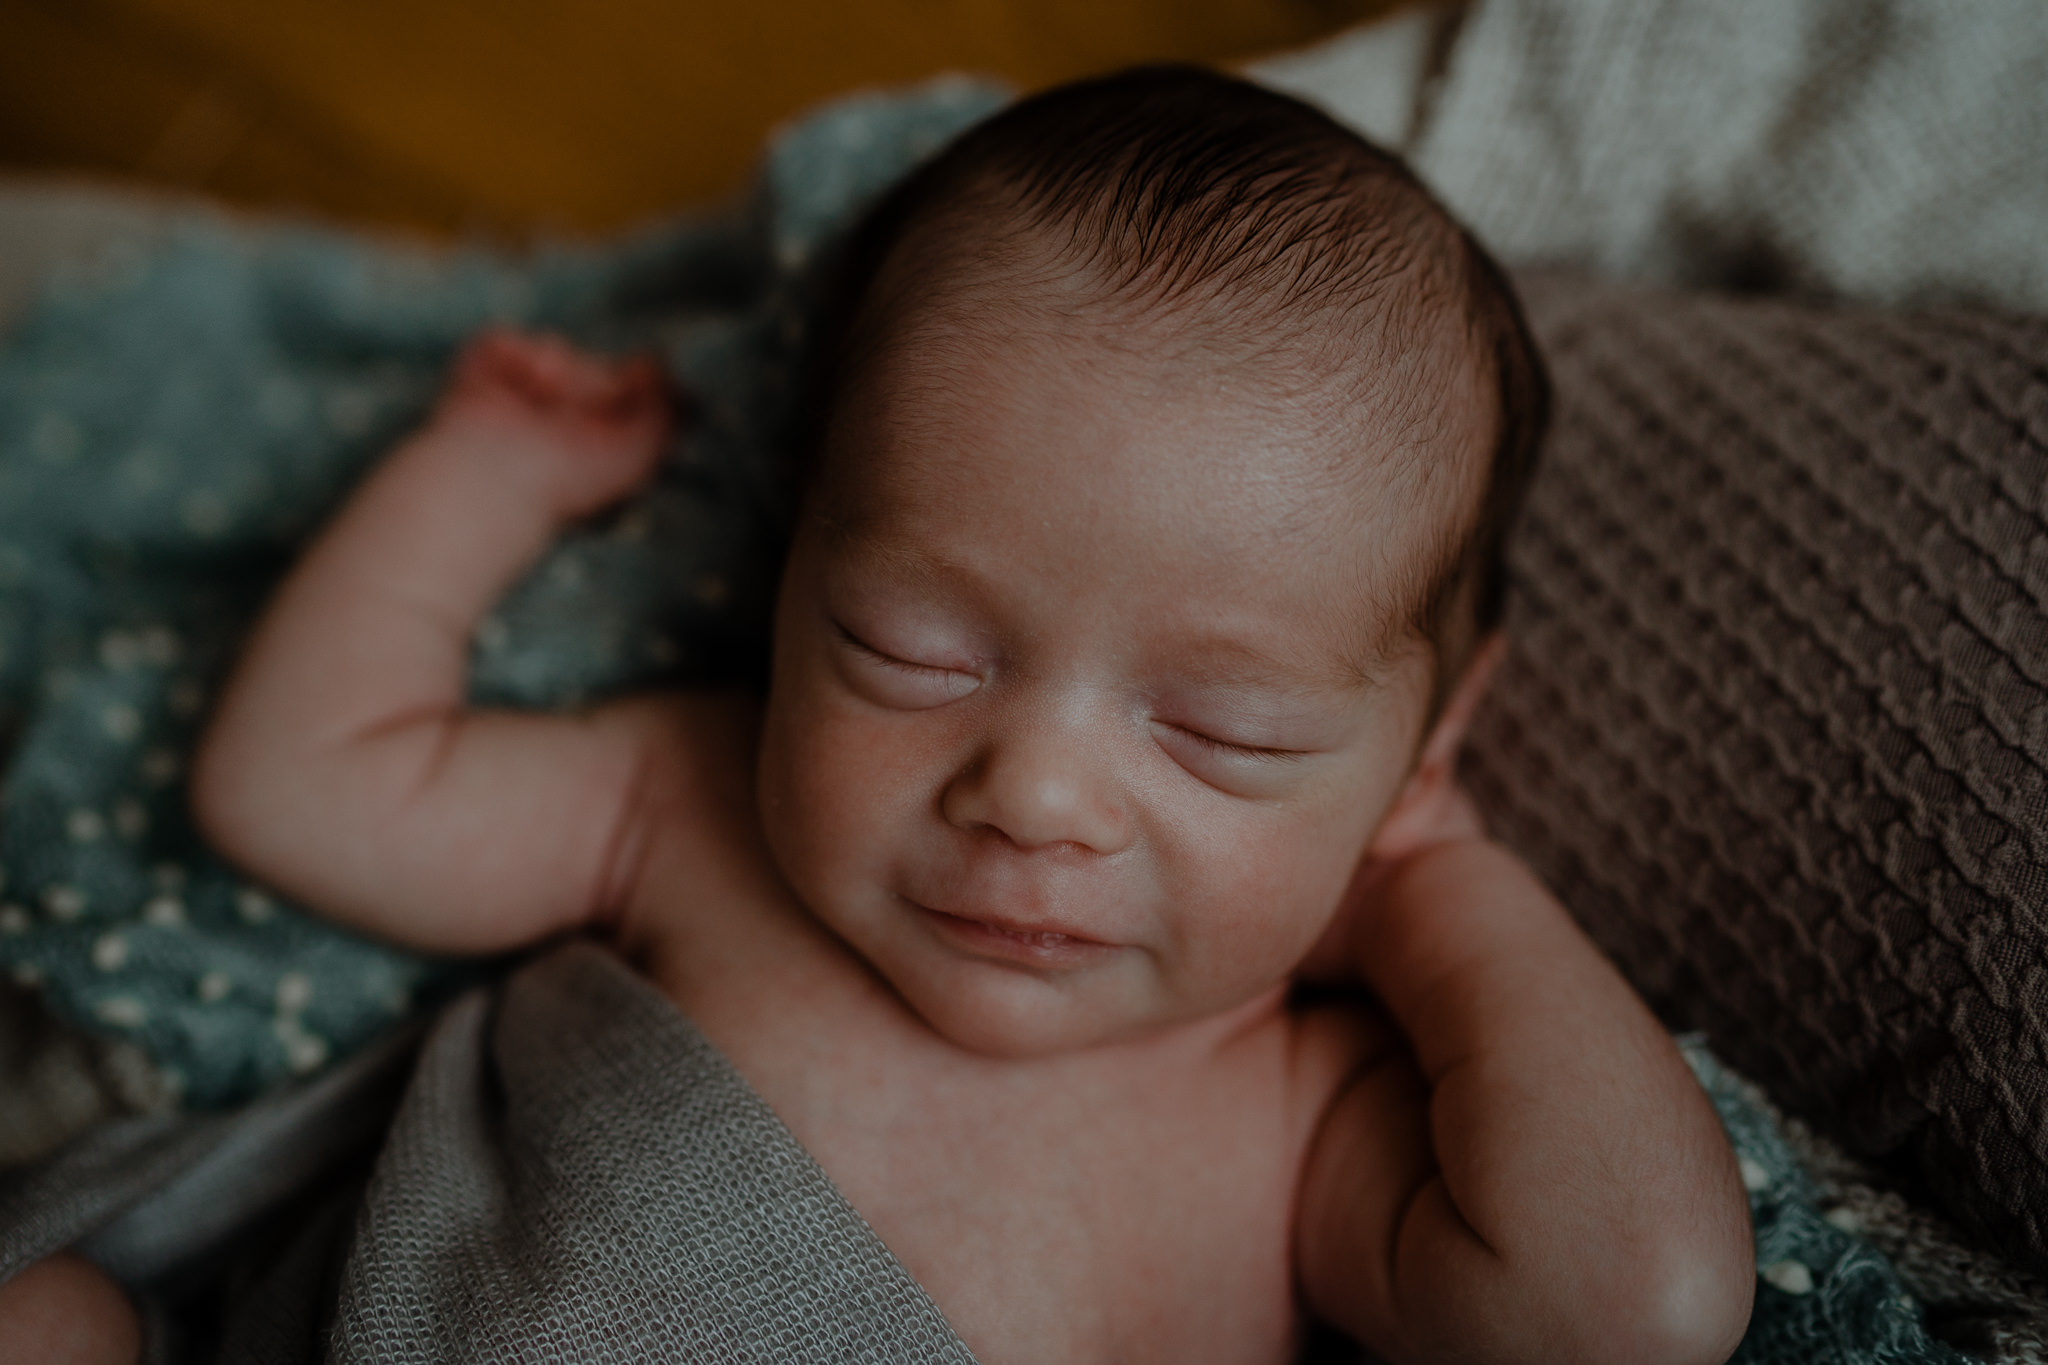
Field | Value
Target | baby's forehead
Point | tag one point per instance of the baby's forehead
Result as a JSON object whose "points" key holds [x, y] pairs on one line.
{"points": [[1187, 458], [1376, 426]]}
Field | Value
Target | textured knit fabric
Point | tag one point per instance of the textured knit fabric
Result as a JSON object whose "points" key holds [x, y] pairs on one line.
{"points": [[574, 1175], [1893, 151], [1824, 1295], [1775, 723], [1993, 1309], [578, 1175], [152, 1196], [56, 1082], [173, 425]]}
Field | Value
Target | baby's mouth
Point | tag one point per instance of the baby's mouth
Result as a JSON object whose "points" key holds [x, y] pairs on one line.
{"points": [[1031, 944]]}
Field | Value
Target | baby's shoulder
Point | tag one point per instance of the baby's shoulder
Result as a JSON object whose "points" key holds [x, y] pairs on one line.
{"points": [[691, 826], [696, 751]]}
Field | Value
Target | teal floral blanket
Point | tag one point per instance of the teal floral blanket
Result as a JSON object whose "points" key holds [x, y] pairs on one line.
{"points": [[171, 429]]}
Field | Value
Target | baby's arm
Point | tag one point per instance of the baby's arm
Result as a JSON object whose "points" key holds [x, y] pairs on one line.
{"points": [[341, 765], [1542, 1179]]}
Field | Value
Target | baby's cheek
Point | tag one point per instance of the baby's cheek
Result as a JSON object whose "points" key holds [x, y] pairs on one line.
{"points": [[1268, 902], [833, 783], [796, 816]]}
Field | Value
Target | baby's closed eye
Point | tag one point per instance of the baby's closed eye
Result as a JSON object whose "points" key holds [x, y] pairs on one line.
{"points": [[1229, 748], [1239, 764], [890, 680]]}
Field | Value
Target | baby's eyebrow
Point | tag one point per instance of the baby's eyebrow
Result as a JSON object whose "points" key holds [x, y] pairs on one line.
{"points": [[1238, 666], [852, 538]]}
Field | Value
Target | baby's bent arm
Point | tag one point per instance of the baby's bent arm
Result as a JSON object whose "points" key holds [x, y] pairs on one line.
{"points": [[341, 765], [1541, 1179]]}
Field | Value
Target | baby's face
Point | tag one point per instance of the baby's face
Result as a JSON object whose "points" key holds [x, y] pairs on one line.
{"points": [[1079, 723]]}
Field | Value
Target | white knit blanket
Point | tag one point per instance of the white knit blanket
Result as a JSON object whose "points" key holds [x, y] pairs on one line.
{"points": [[1890, 151]]}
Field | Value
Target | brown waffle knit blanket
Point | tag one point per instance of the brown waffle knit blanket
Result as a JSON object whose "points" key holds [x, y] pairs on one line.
{"points": [[1776, 721]]}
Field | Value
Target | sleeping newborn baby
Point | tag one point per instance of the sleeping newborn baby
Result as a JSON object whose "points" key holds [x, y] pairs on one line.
{"points": [[1092, 895]]}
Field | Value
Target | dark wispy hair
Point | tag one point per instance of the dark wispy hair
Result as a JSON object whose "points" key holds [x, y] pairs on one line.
{"points": [[1178, 185]]}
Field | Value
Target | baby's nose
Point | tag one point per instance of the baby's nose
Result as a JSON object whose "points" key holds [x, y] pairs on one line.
{"points": [[1040, 789]]}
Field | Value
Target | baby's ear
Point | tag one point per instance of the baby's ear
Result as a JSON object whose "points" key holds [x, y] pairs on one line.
{"points": [[1431, 808]]}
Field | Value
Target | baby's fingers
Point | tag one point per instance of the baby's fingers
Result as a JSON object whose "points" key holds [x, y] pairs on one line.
{"points": [[596, 427]]}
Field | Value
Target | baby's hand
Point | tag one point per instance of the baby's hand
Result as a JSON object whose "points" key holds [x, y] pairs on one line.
{"points": [[590, 430]]}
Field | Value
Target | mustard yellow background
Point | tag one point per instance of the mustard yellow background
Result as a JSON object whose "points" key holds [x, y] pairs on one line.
{"points": [[508, 116]]}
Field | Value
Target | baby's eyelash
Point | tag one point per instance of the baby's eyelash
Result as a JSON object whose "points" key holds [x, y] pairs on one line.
{"points": [[1242, 750], [887, 660]]}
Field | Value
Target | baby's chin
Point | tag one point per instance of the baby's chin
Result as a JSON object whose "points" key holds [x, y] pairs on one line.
{"points": [[1006, 1012]]}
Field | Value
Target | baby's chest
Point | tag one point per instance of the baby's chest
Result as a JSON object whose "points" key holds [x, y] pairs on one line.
{"points": [[1120, 1204]]}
